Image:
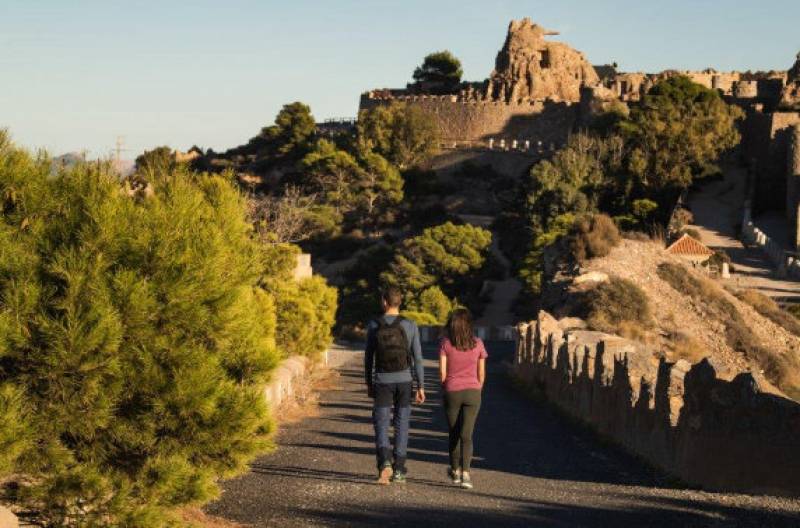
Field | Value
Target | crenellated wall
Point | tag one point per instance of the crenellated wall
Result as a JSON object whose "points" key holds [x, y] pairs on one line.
{"points": [[716, 434], [480, 120]]}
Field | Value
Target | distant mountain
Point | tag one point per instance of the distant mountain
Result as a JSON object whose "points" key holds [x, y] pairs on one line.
{"points": [[70, 159]]}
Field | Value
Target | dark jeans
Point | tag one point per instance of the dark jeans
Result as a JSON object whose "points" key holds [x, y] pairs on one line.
{"points": [[462, 409], [392, 398]]}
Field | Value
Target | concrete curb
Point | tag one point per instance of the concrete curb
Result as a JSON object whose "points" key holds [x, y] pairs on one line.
{"points": [[289, 372], [293, 370]]}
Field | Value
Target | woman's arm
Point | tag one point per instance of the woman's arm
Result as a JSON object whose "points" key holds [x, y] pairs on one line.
{"points": [[442, 368], [482, 371]]}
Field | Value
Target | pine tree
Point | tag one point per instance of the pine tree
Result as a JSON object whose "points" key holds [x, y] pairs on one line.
{"points": [[134, 337]]}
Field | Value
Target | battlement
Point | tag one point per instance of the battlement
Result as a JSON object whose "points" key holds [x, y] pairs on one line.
{"points": [[487, 122]]}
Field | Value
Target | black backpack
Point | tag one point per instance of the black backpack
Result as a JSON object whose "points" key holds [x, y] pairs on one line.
{"points": [[391, 354]]}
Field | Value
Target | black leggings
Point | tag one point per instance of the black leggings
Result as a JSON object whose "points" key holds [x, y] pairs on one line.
{"points": [[462, 411]]}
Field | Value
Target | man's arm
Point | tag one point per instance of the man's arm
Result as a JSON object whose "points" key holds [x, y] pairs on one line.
{"points": [[416, 349], [369, 356]]}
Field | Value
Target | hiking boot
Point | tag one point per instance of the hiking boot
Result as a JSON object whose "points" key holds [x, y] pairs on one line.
{"points": [[455, 475], [399, 477], [385, 476], [466, 482]]}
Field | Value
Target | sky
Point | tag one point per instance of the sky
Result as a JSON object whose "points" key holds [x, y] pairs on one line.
{"points": [[76, 74]]}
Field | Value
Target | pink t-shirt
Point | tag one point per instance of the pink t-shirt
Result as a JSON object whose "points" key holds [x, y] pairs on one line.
{"points": [[462, 365]]}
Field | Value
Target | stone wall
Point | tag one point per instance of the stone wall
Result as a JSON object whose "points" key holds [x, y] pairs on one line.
{"points": [[302, 268], [479, 121], [793, 184], [716, 434]]}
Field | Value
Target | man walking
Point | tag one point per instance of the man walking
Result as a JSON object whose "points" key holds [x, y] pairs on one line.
{"points": [[392, 362]]}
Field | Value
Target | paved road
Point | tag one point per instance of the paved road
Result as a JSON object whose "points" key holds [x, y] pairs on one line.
{"points": [[717, 210], [533, 469]]}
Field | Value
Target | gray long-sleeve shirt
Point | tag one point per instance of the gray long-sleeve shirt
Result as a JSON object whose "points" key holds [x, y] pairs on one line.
{"points": [[414, 348]]}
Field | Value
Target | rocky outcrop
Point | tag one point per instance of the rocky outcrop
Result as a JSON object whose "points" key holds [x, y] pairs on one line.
{"points": [[530, 68], [682, 418], [790, 95]]}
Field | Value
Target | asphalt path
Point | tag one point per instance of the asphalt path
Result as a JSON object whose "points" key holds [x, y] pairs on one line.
{"points": [[532, 468]]}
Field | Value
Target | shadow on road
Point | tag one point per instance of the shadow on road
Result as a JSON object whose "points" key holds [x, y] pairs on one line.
{"points": [[660, 512], [512, 435]]}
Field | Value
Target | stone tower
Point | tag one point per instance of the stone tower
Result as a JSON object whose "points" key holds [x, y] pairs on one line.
{"points": [[793, 186], [530, 68], [790, 96]]}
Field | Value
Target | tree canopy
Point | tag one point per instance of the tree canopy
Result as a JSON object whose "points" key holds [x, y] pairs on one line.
{"points": [[136, 332], [293, 130], [405, 135], [678, 132], [441, 256], [440, 67]]}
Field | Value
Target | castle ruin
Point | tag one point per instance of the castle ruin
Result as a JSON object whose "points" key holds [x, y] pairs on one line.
{"points": [[541, 91]]}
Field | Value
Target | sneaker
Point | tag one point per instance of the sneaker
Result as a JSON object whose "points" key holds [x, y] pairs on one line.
{"points": [[399, 477], [455, 475], [466, 482], [385, 476]]}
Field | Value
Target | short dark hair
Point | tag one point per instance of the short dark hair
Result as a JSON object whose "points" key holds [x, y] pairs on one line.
{"points": [[392, 296]]}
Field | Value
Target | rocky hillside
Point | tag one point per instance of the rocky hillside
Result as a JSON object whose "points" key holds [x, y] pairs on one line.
{"points": [[691, 315]]}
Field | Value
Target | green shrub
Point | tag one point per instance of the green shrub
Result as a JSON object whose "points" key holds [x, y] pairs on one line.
{"points": [[616, 302], [421, 318], [134, 341], [593, 236], [306, 309], [433, 301]]}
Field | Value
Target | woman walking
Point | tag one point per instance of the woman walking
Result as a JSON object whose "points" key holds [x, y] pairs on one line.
{"points": [[462, 370]]}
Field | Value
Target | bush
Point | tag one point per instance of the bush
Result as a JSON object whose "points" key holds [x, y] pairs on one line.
{"points": [[434, 302], [133, 341], [593, 236], [306, 309], [421, 318], [135, 334], [688, 348], [618, 302]]}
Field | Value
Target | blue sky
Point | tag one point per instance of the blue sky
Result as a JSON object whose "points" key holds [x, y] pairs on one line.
{"points": [[76, 74]]}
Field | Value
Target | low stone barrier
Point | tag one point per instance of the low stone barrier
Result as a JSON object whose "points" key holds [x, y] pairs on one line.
{"points": [[709, 432], [786, 264], [295, 369], [285, 376], [8, 519], [430, 334]]}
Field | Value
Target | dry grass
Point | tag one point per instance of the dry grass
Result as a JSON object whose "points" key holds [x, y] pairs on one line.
{"points": [[198, 518], [305, 403], [593, 236], [770, 309], [688, 348], [618, 305], [783, 370]]}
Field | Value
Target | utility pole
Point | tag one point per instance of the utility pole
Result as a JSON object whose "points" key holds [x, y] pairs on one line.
{"points": [[118, 151]]}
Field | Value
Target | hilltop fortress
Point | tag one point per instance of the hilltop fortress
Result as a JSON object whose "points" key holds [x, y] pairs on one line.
{"points": [[541, 91]]}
